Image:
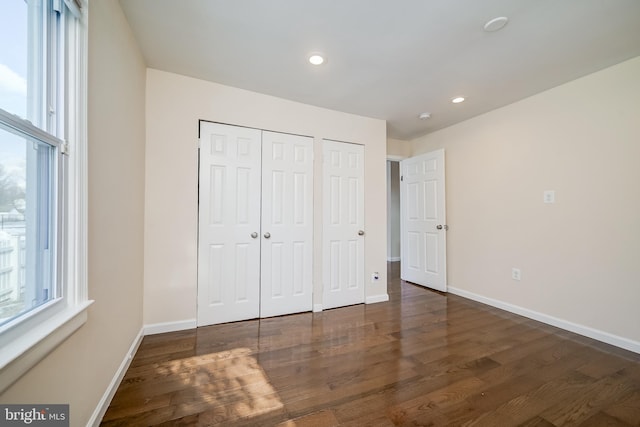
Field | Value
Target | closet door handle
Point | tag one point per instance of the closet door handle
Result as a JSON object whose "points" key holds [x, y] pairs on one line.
{"points": [[267, 235], [254, 235], [361, 233]]}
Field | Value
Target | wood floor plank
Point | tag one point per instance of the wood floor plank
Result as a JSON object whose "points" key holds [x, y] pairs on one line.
{"points": [[602, 364], [393, 395], [526, 406], [603, 420], [368, 385], [423, 358], [536, 422], [421, 409], [323, 418], [626, 410], [576, 409]]}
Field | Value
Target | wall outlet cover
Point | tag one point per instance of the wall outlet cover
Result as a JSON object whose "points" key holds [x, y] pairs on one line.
{"points": [[549, 196], [516, 274]]}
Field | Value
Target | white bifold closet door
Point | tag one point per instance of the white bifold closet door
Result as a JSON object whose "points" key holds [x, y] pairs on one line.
{"points": [[255, 224]]}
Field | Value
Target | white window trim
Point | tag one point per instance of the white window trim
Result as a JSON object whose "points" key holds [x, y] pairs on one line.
{"points": [[22, 353]]}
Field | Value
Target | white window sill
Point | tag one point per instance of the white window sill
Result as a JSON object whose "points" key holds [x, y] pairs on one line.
{"points": [[20, 355]]}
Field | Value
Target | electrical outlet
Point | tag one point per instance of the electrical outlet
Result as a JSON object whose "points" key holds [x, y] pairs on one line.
{"points": [[516, 274], [549, 196], [375, 277]]}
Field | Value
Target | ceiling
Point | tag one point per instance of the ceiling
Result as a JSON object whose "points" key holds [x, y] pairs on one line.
{"points": [[389, 60]]}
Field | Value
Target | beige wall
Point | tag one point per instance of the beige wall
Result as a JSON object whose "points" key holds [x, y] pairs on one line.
{"points": [[579, 256], [398, 149], [79, 370], [175, 104]]}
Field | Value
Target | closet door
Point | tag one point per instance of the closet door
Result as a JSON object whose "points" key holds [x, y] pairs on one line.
{"points": [[343, 224], [229, 224], [287, 224]]}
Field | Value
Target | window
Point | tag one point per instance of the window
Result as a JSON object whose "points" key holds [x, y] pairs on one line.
{"points": [[29, 186], [43, 295]]}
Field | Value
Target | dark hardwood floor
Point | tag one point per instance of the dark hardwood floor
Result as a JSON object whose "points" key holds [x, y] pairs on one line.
{"points": [[421, 359]]}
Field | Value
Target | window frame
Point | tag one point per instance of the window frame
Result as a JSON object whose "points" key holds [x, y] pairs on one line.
{"points": [[29, 338]]}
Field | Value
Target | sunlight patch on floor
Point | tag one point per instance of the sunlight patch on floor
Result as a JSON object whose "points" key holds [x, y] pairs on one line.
{"points": [[221, 386]]}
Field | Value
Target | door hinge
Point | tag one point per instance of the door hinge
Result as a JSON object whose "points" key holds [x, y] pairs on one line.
{"points": [[401, 177], [56, 6]]}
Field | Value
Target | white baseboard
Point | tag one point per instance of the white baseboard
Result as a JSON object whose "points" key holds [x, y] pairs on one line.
{"points": [[393, 259], [317, 308], [372, 299], [160, 328], [596, 334], [104, 402]]}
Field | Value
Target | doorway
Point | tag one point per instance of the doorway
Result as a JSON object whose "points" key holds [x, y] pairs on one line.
{"points": [[393, 211], [416, 219]]}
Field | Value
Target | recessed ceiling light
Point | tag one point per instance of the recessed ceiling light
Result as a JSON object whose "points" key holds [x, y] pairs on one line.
{"points": [[496, 24], [457, 100], [316, 59], [425, 116]]}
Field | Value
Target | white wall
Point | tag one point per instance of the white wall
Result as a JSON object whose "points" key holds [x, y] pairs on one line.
{"points": [[579, 256], [175, 104], [80, 369]]}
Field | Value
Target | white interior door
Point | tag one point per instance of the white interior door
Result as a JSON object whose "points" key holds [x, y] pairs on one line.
{"points": [[343, 224], [229, 224], [287, 224], [423, 223]]}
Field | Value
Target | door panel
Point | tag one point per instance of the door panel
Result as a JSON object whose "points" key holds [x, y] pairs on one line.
{"points": [[287, 218], [229, 212], [422, 210], [343, 218]]}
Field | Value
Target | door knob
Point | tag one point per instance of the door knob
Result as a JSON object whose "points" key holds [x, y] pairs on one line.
{"points": [[360, 232], [254, 235], [267, 235], [439, 227]]}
